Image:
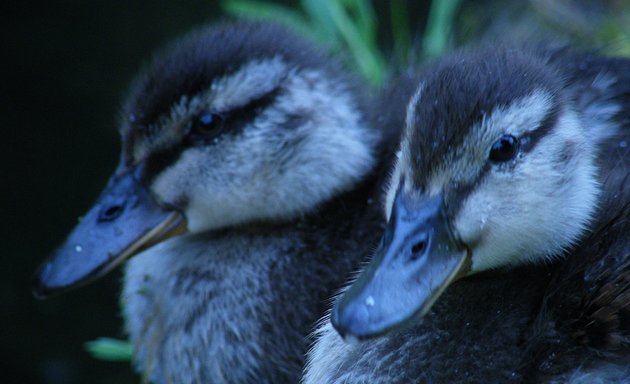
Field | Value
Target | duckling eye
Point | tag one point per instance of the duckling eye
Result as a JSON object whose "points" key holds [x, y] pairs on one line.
{"points": [[504, 149], [208, 125]]}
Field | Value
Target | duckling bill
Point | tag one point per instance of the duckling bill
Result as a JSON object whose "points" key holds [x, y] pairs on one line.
{"points": [[416, 260], [124, 220]]}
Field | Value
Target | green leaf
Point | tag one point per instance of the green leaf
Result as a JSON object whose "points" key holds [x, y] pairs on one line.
{"points": [[318, 12], [400, 30], [439, 25], [365, 52], [105, 348], [335, 23], [365, 18]]}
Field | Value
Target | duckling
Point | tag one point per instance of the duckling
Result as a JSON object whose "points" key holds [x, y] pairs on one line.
{"points": [[506, 256], [244, 192]]}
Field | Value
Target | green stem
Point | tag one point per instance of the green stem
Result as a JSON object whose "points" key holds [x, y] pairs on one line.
{"points": [[439, 24]]}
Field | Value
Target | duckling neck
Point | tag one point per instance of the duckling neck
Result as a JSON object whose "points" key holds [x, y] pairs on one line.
{"points": [[237, 305]]}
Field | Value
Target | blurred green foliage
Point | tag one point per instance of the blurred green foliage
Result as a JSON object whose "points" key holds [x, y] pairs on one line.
{"points": [[105, 348], [353, 25], [603, 25], [337, 24]]}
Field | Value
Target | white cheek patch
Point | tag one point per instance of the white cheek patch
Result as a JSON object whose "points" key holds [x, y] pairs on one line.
{"points": [[215, 186], [536, 210]]}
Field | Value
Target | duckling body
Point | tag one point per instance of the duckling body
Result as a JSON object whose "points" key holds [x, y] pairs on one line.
{"points": [[472, 335], [257, 146], [536, 314], [237, 305]]}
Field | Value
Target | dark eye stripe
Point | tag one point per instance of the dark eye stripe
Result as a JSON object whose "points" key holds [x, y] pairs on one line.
{"points": [[234, 121], [529, 141], [156, 162], [238, 117]]}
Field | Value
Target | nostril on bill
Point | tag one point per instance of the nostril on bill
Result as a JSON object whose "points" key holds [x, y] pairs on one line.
{"points": [[110, 212], [417, 250]]}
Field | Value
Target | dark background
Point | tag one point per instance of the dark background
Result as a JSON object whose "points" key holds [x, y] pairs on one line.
{"points": [[66, 67]]}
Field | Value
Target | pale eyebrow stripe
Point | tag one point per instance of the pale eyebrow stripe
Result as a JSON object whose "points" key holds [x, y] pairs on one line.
{"points": [[410, 117]]}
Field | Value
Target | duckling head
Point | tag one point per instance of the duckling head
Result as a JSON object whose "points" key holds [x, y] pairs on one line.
{"points": [[496, 169], [234, 123]]}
